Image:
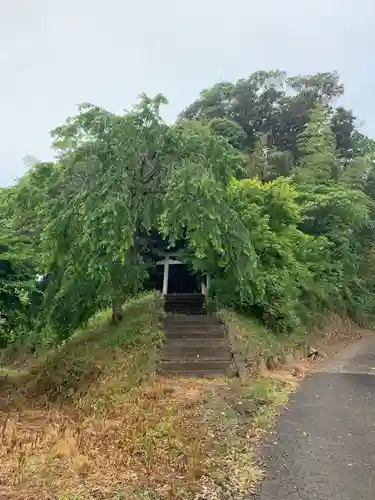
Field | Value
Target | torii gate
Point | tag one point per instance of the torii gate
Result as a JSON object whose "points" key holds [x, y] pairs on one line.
{"points": [[169, 261]]}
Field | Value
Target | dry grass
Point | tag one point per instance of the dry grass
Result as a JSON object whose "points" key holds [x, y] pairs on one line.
{"points": [[135, 445], [337, 333], [180, 440], [91, 421]]}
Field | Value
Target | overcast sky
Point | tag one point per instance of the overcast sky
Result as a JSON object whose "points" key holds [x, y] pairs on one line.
{"points": [[55, 54]]}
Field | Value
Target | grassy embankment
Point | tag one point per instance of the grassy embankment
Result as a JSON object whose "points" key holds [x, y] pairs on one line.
{"points": [[259, 346], [91, 420]]}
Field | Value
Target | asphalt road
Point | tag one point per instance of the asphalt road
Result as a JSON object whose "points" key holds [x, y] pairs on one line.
{"points": [[324, 444]]}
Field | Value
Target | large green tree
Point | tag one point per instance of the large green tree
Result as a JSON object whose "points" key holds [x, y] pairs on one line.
{"points": [[267, 102], [266, 113], [122, 177], [268, 185], [335, 206]]}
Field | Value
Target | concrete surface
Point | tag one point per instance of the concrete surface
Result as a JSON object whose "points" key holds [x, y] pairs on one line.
{"points": [[324, 444]]}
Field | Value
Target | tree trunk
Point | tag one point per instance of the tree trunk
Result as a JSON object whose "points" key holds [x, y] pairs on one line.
{"points": [[117, 298], [117, 313]]}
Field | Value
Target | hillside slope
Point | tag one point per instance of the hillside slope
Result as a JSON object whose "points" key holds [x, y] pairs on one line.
{"points": [[91, 420]]}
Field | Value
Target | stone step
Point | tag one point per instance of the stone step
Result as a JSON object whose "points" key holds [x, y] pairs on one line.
{"points": [[191, 303], [188, 311], [182, 300], [172, 352], [184, 297], [193, 334], [195, 342], [182, 360], [187, 319], [194, 374], [184, 304], [194, 327], [209, 365]]}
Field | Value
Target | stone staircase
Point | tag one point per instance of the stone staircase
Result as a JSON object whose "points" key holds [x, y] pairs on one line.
{"points": [[184, 303], [195, 342]]}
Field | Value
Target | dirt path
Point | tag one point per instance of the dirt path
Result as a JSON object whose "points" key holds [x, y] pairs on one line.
{"points": [[324, 444]]}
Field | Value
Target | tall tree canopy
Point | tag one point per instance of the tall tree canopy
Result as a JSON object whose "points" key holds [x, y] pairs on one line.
{"points": [[272, 104], [269, 185]]}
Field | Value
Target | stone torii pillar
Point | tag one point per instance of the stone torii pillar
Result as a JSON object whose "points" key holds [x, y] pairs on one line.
{"points": [[206, 286], [166, 262]]}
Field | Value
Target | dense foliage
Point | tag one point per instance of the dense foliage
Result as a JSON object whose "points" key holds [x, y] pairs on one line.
{"points": [[268, 184]]}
